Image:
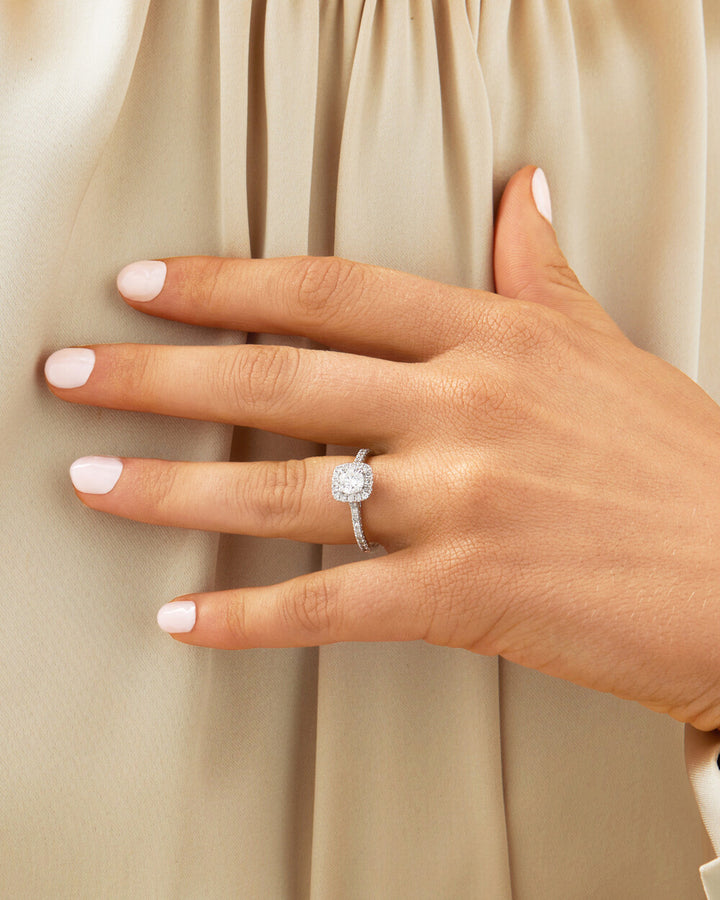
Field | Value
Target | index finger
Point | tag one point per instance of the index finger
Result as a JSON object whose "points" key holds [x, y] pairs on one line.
{"points": [[340, 303]]}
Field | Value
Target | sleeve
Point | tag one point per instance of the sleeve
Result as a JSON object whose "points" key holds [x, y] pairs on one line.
{"points": [[702, 756]]}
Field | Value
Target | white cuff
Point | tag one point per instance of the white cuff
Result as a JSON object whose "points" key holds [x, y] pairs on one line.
{"points": [[702, 757], [710, 874]]}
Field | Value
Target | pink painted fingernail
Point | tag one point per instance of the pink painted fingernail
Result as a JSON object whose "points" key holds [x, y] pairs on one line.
{"points": [[69, 368], [96, 474], [541, 194], [177, 617], [142, 281]]}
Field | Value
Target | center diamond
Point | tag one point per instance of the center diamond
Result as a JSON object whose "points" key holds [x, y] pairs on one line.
{"points": [[352, 482]]}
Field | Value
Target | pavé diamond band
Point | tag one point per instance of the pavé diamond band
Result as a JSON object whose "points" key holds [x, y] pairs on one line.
{"points": [[352, 483]]}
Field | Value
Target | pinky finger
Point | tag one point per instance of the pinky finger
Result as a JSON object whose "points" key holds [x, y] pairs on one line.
{"points": [[363, 601]]}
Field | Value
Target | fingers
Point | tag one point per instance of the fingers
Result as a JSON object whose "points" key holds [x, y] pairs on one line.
{"points": [[290, 499], [343, 304], [368, 600], [312, 394], [363, 601]]}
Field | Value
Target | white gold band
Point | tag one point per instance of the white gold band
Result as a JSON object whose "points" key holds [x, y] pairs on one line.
{"points": [[357, 527]]}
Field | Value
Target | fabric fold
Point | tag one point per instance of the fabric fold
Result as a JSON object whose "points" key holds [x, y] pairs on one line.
{"points": [[411, 84], [234, 50]]}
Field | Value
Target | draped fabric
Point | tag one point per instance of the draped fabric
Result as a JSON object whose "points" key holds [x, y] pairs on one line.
{"points": [[384, 131]]}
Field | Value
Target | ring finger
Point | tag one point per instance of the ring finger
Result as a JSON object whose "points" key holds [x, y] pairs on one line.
{"points": [[290, 499]]}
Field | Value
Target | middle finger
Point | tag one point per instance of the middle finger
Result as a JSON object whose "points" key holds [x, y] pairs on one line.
{"points": [[317, 395]]}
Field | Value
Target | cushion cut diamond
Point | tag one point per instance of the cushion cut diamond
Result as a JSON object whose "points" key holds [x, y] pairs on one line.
{"points": [[352, 482]]}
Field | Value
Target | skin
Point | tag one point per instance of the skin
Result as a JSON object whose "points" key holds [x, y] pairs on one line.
{"points": [[545, 489]]}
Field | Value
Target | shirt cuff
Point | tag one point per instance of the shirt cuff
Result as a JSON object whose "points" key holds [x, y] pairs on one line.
{"points": [[702, 757], [710, 874]]}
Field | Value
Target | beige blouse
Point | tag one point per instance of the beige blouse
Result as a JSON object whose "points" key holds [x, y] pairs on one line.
{"points": [[380, 130]]}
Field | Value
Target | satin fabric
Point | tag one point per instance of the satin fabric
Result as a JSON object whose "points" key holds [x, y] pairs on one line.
{"points": [[702, 753], [382, 131]]}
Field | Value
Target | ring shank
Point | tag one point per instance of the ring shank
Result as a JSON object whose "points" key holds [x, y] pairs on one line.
{"points": [[358, 528]]}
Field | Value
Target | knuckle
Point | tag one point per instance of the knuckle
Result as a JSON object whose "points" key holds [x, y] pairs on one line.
{"points": [[323, 284], [308, 606], [256, 376], [267, 371], [202, 284], [159, 485], [276, 494], [560, 273], [555, 272], [469, 485], [482, 396], [236, 622], [541, 290], [134, 371]]}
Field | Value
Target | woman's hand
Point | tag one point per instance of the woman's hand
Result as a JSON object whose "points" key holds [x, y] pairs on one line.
{"points": [[546, 490]]}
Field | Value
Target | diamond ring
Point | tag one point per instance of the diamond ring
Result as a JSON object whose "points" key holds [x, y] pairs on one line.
{"points": [[352, 483]]}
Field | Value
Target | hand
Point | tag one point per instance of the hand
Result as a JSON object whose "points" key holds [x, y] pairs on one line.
{"points": [[545, 489]]}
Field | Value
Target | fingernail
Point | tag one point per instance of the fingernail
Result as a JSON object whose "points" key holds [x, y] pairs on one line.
{"points": [[96, 474], [142, 281], [541, 194], [69, 368], [177, 617]]}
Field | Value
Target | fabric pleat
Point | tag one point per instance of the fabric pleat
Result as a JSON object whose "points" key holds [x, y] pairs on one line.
{"points": [[408, 87]]}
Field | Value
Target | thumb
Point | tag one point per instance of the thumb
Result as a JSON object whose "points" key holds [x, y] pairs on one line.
{"points": [[529, 264]]}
